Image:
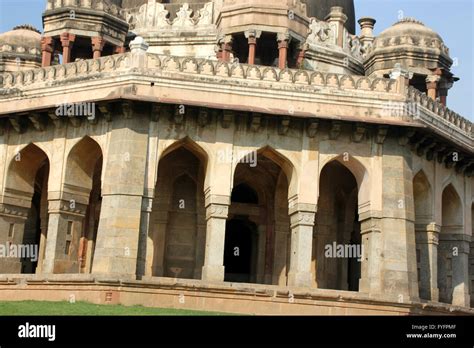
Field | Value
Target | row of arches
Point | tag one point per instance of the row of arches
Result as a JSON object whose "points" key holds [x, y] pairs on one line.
{"points": [[257, 244], [440, 250], [257, 233], [78, 209]]}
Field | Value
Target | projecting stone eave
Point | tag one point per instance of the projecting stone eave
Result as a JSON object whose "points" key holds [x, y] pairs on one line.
{"points": [[197, 82]]}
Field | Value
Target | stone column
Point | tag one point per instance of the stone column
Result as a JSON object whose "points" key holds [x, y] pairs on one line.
{"points": [[227, 48], [443, 87], [119, 50], [252, 36], [371, 240], [427, 238], [67, 41], [122, 195], [47, 49], [12, 228], [398, 274], [302, 223], [283, 42], [98, 44], [337, 16], [432, 85], [217, 209], [366, 31], [461, 296], [301, 54], [65, 225], [403, 77], [145, 225]]}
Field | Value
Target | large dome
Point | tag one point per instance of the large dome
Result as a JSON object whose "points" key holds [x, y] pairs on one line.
{"points": [[321, 8]]}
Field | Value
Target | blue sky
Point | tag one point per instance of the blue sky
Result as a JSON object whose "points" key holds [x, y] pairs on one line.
{"points": [[452, 19]]}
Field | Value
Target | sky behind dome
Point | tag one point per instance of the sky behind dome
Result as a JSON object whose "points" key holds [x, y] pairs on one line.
{"points": [[452, 19]]}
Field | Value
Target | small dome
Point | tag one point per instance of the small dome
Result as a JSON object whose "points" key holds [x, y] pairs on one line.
{"points": [[22, 39], [409, 27], [412, 44]]}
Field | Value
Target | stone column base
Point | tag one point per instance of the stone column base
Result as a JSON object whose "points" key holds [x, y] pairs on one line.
{"points": [[213, 273], [302, 279]]}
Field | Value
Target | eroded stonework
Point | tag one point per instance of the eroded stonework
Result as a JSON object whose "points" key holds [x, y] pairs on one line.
{"points": [[237, 142]]}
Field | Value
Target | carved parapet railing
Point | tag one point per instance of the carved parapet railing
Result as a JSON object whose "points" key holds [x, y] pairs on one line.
{"points": [[99, 5], [81, 69], [440, 113], [204, 67], [271, 74]]}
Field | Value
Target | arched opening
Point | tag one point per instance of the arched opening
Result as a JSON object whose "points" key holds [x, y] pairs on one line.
{"points": [[82, 188], [178, 224], [258, 221], [425, 250], [452, 224], [26, 190], [240, 250], [244, 194], [337, 251]]}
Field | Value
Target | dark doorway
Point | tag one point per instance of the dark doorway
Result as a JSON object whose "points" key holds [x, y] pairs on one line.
{"points": [[240, 242]]}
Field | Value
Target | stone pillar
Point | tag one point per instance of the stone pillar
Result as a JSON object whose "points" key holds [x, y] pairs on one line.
{"points": [[398, 247], [283, 42], [65, 225], [461, 296], [145, 225], [337, 16], [12, 228], [98, 44], [366, 31], [432, 86], [252, 36], [371, 240], [227, 48], [47, 49], [302, 223], [116, 249], [67, 41], [119, 50], [443, 87], [301, 54], [427, 238], [217, 208], [403, 77]]}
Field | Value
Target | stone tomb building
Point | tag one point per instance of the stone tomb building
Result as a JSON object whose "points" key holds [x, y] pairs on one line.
{"points": [[245, 155]]}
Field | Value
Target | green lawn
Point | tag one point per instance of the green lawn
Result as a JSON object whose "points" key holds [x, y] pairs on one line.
{"points": [[84, 308]]}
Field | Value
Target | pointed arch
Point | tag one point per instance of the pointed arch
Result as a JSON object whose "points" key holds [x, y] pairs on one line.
{"points": [[452, 210], [337, 222], [423, 198], [23, 167], [81, 162], [360, 173], [176, 235], [287, 166]]}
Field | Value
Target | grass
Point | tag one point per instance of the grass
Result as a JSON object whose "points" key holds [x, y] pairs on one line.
{"points": [[84, 308]]}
